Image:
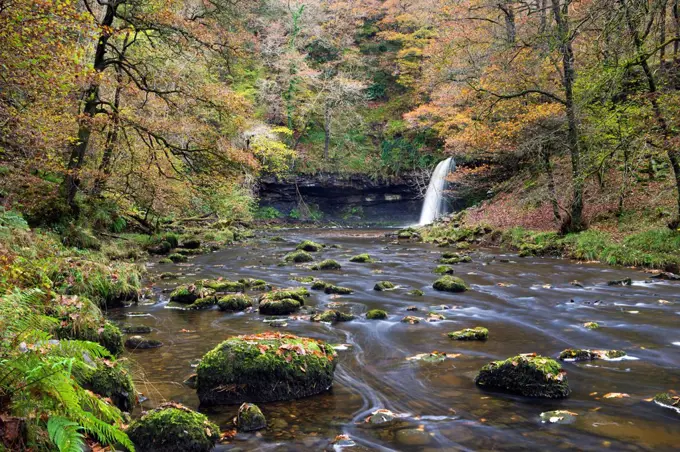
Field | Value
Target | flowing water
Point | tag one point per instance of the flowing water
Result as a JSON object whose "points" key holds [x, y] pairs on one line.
{"points": [[433, 205], [528, 304]]}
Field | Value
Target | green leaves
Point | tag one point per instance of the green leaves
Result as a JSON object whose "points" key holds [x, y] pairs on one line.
{"points": [[65, 434]]}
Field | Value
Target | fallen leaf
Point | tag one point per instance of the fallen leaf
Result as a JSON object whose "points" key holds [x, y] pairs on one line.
{"points": [[616, 395]]}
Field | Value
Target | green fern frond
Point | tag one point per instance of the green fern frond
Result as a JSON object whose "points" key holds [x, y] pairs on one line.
{"points": [[65, 434]]}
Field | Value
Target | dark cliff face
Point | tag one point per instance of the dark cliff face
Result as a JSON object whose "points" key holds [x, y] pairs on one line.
{"points": [[354, 198]]}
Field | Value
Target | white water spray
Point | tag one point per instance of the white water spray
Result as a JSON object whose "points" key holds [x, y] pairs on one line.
{"points": [[433, 206]]}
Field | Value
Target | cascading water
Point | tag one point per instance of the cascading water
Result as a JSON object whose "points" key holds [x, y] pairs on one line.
{"points": [[433, 206]]}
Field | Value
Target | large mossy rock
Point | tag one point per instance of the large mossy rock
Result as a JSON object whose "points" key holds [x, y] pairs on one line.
{"points": [[283, 302], [332, 316], [265, 368], [328, 264], [361, 258], [187, 294], [376, 314], [222, 286], [298, 257], [173, 427], [450, 283], [234, 303], [381, 286], [308, 245], [110, 379], [526, 375]]}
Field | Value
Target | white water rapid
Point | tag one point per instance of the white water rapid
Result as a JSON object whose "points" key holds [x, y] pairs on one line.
{"points": [[433, 206]]}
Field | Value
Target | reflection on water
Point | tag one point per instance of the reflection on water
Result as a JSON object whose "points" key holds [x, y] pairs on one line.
{"points": [[529, 305]]}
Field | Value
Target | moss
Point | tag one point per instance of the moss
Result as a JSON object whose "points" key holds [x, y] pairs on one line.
{"points": [[265, 368], [188, 294], [298, 257], [376, 314], [296, 293], [454, 259], [319, 285], [162, 248], [177, 258], [416, 293], [332, 316], [308, 245], [408, 233], [435, 317], [223, 285], [526, 375], [450, 283], [330, 289], [470, 334], [165, 260], [384, 285], [191, 244], [361, 258], [111, 379], [80, 319], [285, 306], [250, 418], [328, 264], [304, 279], [173, 427], [411, 320], [258, 285], [234, 303], [668, 401], [591, 325], [203, 303], [444, 270], [588, 355]]}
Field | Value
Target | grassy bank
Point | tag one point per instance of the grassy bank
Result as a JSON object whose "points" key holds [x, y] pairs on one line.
{"points": [[62, 381]]}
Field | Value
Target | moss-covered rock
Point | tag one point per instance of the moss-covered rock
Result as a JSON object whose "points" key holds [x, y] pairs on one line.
{"points": [[667, 400], [444, 270], [376, 314], [222, 285], [257, 285], [363, 258], [455, 260], [470, 334], [141, 343], [308, 245], [576, 354], [450, 283], [332, 316], [319, 285], [203, 303], [338, 290], [408, 234], [250, 418], [591, 325], [328, 264], [296, 293], [178, 258], [286, 306], [187, 294], [191, 244], [411, 320], [265, 368], [298, 257], [165, 260], [173, 427], [526, 375], [381, 286], [620, 282], [110, 379], [234, 303], [416, 293], [136, 329], [163, 247], [304, 279]]}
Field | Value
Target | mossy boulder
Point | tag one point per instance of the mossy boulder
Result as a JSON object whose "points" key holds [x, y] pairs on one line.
{"points": [[408, 234], [376, 314], [361, 258], [328, 264], [222, 286], [338, 290], [576, 354], [258, 285], [191, 244], [110, 379], [285, 306], [444, 270], [187, 294], [319, 285], [234, 303], [527, 375], [203, 303], [296, 293], [173, 427], [667, 400], [298, 257], [450, 283], [178, 258], [411, 320], [141, 343], [416, 293], [381, 286], [165, 260], [308, 245], [455, 260], [250, 418], [332, 316], [470, 334], [163, 247], [265, 367]]}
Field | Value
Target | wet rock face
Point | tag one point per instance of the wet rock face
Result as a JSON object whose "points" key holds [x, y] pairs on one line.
{"points": [[526, 375], [265, 367], [173, 427], [250, 418]]}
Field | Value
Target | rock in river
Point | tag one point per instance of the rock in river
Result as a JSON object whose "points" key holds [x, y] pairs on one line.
{"points": [[450, 283], [527, 375], [250, 418], [172, 426], [142, 343], [376, 314], [308, 245], [265, 367], [470, 334]]}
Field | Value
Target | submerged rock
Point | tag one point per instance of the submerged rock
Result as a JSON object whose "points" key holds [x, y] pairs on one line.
{"points": [[572, 354], [620, 282], [558, 417], [328, 264], [470, 334], [136, 329], [298, 257], [172, 426], [361, 258], [332, 316], [265, 367], [380, 417], [250, 418], [338, 290], [667, 400], [383, 285], [308, 245], [444, 270], [376, 314], [234, 303], [411, 320], [141, 343], [319, 285], [413, 437], [412, 308], [450, 283], [526, 375]]}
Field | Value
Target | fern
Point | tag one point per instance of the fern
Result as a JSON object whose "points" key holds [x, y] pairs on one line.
{"points": [[65, 434]]}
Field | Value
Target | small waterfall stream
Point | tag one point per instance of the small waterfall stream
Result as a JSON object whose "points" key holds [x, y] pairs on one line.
{"points": [[433, 206]]}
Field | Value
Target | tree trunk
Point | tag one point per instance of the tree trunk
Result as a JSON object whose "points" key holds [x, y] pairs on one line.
{"points": [[574, 222], [327, 131], [552, 191]]}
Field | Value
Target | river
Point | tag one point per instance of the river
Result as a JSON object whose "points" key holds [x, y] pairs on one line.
{"points": [[528, 305]]}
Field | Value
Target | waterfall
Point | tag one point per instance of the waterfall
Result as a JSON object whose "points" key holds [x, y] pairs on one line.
{"points": [[433, 206]]}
